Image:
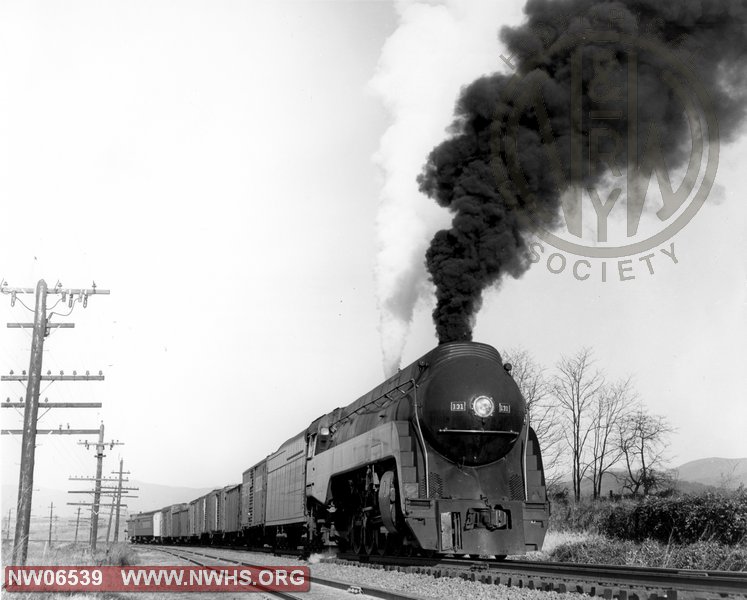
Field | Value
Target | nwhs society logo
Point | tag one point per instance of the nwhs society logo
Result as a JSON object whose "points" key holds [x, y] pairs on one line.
{"points": [[619, 224]]}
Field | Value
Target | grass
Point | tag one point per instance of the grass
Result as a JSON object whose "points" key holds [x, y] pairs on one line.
{"points": [[594, 548], [559, 538], [71, 554], [712, 556], [577, 532]]}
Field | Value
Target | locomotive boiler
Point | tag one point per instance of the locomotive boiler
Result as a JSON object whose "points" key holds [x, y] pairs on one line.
{"points": [[440, 458]]}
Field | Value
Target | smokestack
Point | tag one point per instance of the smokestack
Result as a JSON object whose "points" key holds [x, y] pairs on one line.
{"points": [[520, 141]]}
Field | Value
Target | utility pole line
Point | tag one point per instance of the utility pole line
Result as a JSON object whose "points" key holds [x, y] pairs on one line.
{"points": [[106, 479], [21, 403], [97, 482], [105, 491], [91, 503], [31, 409], [114, 491]]}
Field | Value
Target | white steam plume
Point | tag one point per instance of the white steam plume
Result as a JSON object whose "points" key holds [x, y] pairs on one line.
{"points": [[435, 50]]}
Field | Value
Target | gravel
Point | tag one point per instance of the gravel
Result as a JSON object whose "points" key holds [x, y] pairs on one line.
{"points": [[416, 585]]}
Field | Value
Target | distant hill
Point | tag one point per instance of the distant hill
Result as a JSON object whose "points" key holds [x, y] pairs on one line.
{"points": [[693, 477], [717, 472], [154, 495], [151, 496]]}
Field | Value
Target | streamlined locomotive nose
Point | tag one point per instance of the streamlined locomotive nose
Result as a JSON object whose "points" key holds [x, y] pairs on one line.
{"points": [[471, 409]]}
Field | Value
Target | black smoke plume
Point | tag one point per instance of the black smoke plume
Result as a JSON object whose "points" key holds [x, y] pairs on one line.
{"points": [[471, 172]]}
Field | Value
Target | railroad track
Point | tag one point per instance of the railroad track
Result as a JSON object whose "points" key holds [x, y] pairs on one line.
{"points": [[608, 581], [622, 582], [362, 591], [198, 559]]}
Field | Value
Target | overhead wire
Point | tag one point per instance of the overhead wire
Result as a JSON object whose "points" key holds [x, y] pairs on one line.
{"points": [[24, 305], [59, 447]]}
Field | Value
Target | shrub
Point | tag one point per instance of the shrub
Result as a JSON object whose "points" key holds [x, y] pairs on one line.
{"points": [[120, 555], [586, 515], [681, 520]]}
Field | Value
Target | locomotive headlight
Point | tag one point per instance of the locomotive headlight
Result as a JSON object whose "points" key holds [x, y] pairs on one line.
{"points": [[483, 406]]}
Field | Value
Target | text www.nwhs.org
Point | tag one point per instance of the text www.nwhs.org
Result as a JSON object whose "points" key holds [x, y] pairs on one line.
{"points": [[156, 579]]}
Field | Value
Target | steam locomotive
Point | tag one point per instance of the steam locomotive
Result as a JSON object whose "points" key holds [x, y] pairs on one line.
{"points": [[440, 458]]}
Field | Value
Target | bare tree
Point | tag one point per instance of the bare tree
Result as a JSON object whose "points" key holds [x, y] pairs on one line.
{"points": [[543, 412], [643, 438], [611, 407], [577, 386], [726, 480]]}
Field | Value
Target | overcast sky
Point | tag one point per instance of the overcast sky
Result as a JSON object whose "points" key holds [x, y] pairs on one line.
{"points": [[224, 168]]}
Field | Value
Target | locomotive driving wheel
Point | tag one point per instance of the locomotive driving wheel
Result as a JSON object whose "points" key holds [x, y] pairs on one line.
{"points": [[387, 498]]}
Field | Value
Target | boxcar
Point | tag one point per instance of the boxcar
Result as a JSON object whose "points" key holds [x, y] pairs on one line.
{"points": [[212, 506], [200, 515], [166, 524], [172, 529], [230, 510], [197, 517], [180, 522], [253, 501], [286, 483]]}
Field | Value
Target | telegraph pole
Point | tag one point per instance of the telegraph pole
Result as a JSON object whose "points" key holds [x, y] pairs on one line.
{"points": [[119, 501], [77, 522], [28, 441], [51, 518], [111, 515], [31, 405], [97, 493]]}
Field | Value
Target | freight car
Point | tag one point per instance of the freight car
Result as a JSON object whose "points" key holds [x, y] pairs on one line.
{"points": [[174, 523], [229, 515], [440, 458], [140, 527]]}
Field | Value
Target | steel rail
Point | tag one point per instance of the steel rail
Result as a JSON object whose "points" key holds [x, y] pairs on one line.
{"points": [[618, 581], [340, 585], [574, 574], [180, 555]]}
